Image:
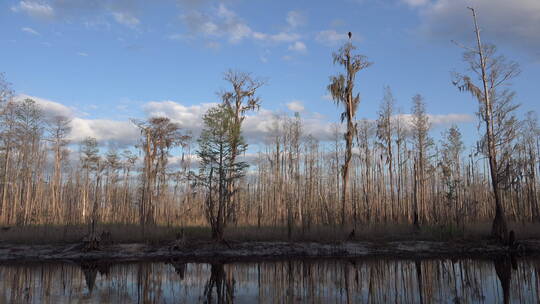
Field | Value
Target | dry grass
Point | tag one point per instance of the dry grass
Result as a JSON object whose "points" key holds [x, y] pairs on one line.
{"points": [[161, 234]]}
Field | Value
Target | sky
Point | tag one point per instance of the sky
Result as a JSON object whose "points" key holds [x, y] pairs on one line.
{"points": [[102, 62]]}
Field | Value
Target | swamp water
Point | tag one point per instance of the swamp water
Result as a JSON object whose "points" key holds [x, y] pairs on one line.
{"points": [[297, 281]]}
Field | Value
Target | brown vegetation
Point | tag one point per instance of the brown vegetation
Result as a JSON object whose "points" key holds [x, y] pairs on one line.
{"points": [[390, 172]]}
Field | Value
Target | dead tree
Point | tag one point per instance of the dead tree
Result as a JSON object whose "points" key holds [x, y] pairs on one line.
{"points": [[422, 142], [158, 136], [58, 129], [493, 72], [29, 123], [7, 108], [385, 134]]}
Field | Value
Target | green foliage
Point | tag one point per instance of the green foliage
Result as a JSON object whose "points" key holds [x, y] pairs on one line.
{"points": [[218, 138], [451, 149], [341, 85], [220, 144], [90, 154]]}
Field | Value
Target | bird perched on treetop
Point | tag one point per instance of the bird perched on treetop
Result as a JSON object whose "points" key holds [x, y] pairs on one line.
{"points": [[350, 35]]}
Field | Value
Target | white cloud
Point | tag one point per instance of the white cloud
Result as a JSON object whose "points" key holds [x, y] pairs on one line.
{"points": [[238, 31], [209, 28], [222, 22], [188, 117], [279, 37], [104, 130], [295, 19], [515, 23], [415, 3], [295, 106], [330, 37], [440, 119], [256, 128], [448, 119], [126, 19], [224, 12], [48, 107], [83, 54], [198, 22], [234, 27], [34, 9], [30, 30], [92, 14], [298, 46]]}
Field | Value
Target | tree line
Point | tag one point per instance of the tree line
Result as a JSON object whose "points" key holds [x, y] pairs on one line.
{"points": [[386, 171]]}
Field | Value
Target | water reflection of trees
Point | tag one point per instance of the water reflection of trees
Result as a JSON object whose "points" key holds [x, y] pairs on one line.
{"points": [[354, 281], [219, 287]]}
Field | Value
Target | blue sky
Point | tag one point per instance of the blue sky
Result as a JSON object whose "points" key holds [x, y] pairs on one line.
{"points": [[103, 61]]}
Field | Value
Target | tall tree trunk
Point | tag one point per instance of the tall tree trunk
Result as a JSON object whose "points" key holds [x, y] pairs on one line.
{"points": [[345, 172], [499, 228]]}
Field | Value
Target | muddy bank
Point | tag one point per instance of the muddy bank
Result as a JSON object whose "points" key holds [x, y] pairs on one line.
{"points": [[239, 251]]}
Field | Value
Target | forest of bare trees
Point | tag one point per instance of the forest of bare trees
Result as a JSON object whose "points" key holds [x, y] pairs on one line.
{"points": [[386, 171]]}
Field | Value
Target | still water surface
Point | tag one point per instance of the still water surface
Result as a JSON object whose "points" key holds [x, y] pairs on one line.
{"points": [[309, 281]]}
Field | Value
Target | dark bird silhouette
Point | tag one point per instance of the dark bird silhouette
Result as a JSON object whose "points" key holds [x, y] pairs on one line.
{"points": [[350, 35], [351, 235]]}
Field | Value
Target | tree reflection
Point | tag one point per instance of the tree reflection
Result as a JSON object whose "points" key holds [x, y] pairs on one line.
{"points": [[317, 281], [180, 268], [503, 268], [90, 271], [418, 268], [222, 283]]}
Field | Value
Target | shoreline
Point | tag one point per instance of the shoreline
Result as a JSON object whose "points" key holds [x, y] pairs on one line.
{"points": [[260, 251]]}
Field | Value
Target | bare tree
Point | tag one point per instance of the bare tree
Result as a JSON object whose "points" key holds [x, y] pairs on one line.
{"points": [[365, 132], [402, 132], [385, 134], [292, 144], [7, 108], [493, 72], [341, 88], [422, 143], [90, 162], [530, 138], [29, 123], [159, 136], [6, 92], [58, 129]]}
